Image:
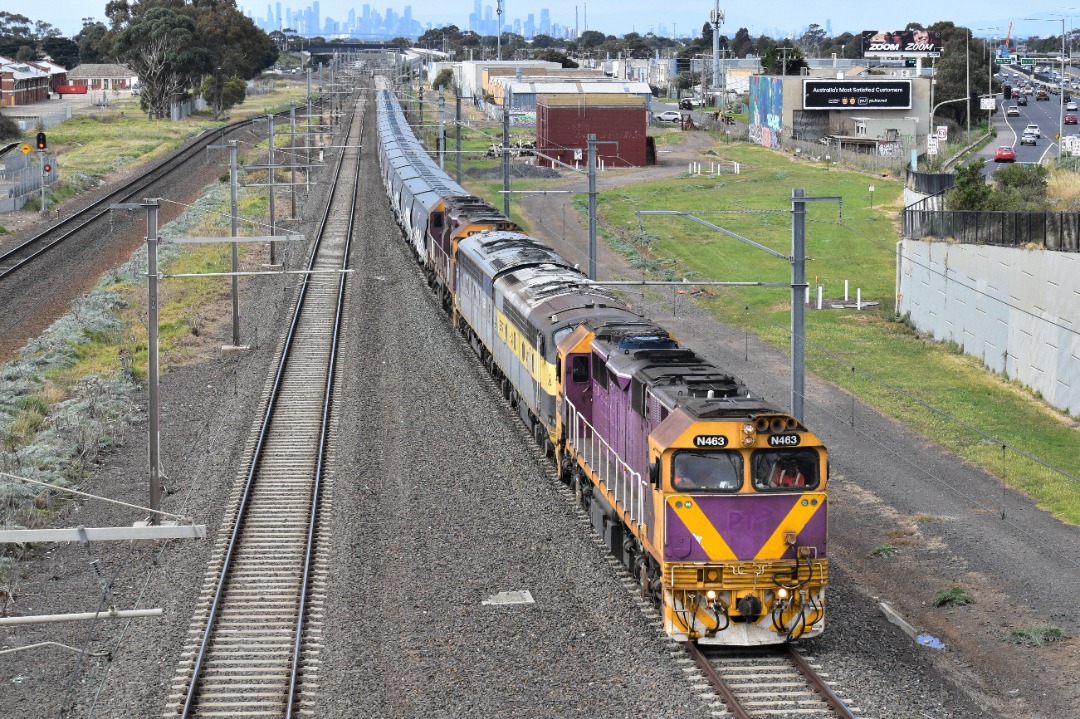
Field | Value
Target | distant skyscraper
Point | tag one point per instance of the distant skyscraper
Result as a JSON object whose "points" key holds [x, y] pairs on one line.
{"points": [[828, 28]]}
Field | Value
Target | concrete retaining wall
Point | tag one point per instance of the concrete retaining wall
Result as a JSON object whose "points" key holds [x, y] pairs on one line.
{"points": [[1016, 310]]}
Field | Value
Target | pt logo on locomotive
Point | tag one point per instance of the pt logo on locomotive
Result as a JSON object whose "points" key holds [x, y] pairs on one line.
{"points": [[784, 440], [710, 440]]}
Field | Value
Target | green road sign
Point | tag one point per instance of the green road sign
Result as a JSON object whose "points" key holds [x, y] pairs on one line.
{"points": [[1027, 61], [1002, 61]]}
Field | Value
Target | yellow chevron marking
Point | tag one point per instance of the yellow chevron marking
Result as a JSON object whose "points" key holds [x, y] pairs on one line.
{"points": [[700, 526], [795, 520]]}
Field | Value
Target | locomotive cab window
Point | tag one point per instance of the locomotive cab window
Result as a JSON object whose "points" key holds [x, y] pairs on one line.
{"points": [[706, 471], [777, 470], [579, 368]]}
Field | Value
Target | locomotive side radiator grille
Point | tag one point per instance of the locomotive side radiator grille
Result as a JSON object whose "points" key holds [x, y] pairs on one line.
{"points": [[604, 463]]}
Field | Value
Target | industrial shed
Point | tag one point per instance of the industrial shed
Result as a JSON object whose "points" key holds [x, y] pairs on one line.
{"points": [[563, 123]]}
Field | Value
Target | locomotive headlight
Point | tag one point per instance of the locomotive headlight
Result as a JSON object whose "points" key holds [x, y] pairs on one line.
{"points": [[782, 593], [711, 595], [748, 441], [748, 428]]}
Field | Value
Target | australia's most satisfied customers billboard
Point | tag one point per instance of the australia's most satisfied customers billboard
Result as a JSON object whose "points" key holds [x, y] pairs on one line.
{"points": [[856, 94]]}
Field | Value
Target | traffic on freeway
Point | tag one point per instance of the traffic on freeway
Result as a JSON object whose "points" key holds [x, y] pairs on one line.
{"points": [[1029, 126]]}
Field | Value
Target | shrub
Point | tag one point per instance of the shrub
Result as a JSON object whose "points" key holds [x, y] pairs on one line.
{"points": [[954, 597], [1038, 635]]}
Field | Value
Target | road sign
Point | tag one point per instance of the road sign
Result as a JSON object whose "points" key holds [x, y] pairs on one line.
{"points": [[25, 149], [1003, 61], [1027, 61], [987, 103], [931, 145]]}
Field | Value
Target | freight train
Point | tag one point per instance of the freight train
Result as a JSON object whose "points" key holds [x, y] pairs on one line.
{"points": [[714, 499]]}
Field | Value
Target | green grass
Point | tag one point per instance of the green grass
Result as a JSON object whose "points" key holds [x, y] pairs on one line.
{"points": [[872, 353], [885, 551], [953, 597], [1038, 635]]}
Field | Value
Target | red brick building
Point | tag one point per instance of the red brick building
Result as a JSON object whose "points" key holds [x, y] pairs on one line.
{"points": [[22, 83], [563, 123]]}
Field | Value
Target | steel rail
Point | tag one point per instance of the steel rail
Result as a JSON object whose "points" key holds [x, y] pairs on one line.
{"points": [[719, 684], [320, 457], [272, 402], [820, 686]]}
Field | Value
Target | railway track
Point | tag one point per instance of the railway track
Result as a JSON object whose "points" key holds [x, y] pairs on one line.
{"points": [[255, 637], [95, 215], [768, 682]]}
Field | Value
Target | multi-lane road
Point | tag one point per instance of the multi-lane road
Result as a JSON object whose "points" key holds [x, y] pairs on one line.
{"points": [[1039, 112]]}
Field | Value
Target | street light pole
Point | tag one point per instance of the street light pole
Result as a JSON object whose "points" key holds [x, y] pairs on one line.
{"points": [[967, 53], [1061, 91]]}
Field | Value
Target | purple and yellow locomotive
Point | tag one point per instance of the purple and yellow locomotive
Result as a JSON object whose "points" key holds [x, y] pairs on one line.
{"points": [[714, 499]]}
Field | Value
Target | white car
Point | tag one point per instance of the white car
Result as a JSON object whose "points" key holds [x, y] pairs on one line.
{"points": [[1071, 105], [1033, 130], [1013, 110], [668, 116]]}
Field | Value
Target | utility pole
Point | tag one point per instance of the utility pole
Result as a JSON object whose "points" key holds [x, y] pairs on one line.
{"points": [[498, 30], [442, 129], [457, 124], [506, 153], [292, 146], [235, 246], [273, 172], [593, 142], [798, 301], [307, 135], [154, 412], [717, 19]]}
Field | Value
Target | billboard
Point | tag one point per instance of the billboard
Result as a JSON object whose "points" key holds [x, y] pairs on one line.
{"points": [[901, 43], [856, 94]]}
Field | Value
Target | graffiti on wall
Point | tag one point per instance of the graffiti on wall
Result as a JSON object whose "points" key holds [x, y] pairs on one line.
{"points": [[766, 110]]}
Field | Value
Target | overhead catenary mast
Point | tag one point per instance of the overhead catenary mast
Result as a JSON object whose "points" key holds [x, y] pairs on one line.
{"points": [[716, 17]]}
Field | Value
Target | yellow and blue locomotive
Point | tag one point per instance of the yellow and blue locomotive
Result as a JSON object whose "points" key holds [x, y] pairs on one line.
{"points": [[715, 499]]}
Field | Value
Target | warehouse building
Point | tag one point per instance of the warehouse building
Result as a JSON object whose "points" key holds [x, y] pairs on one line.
{"points": [[564, 122]]}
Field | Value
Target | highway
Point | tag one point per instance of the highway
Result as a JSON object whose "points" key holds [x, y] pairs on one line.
{"points": [[1042, 113]]}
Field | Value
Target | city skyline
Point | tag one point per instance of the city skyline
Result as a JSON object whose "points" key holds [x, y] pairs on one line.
{"points": [[987, 19]]}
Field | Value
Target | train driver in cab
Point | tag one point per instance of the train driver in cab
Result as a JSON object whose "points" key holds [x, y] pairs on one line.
{"points": [[706, 471]]}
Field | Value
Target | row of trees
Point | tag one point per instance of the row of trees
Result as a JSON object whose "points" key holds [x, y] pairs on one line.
{"points": [[172, 46]]}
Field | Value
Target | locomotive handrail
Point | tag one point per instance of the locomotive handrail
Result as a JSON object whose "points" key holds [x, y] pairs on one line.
{"points": [[629, 491]]}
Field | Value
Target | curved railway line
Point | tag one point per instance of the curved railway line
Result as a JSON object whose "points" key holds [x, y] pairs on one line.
{"points": [[254, 641], [97, 212], [768, 682]]}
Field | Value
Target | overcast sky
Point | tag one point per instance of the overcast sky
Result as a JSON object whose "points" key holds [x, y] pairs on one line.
{"points": [[779, 18]]}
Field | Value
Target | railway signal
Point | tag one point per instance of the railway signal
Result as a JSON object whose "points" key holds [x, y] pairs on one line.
{"points": [[41, 141], [47, 168]]}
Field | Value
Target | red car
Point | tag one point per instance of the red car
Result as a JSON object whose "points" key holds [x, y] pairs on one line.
{"points": [[1005, 154], [1070, 119]]}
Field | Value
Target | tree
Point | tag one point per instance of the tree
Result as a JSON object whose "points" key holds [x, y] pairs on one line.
{"points": [[162, 49], [64, 52], [778, 61], [445, 78], [552, 55], [225, 93], [970, 191], [9, 130], [742, 44], [93, 41], [959, 56], [238, 50], [1020, 188]]}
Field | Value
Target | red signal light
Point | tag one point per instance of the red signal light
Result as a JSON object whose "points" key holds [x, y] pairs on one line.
{"points": [[48, 168], [41, 141]]}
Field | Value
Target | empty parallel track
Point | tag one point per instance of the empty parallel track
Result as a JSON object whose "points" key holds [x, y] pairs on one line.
{"points": [[254, 640], [768, 682]]}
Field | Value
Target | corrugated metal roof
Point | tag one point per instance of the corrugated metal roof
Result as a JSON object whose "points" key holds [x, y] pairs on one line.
{"points": [[90, 71], [605, 100], [590, 87]]}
